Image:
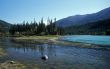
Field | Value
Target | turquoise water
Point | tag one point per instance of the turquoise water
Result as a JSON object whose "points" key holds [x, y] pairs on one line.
{"points": [[100, 40]]}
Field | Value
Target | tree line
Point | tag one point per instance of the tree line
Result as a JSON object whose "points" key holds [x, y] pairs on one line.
{"points": [[36, 28], [101, 27]]}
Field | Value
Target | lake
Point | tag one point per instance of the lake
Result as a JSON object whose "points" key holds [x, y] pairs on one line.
{"points": [[60, 57], [92, 39]]}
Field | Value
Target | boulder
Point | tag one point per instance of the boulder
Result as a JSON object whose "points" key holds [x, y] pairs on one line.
{"points": [[45, 57]]}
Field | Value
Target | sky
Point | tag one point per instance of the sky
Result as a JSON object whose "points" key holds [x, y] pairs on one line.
{"points": [[16, 11]]}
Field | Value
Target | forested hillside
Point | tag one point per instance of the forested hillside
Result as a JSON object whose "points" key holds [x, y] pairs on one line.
{"points": [[99, 27], [4, 27]]}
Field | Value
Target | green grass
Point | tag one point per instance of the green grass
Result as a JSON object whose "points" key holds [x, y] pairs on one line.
{"points": [[38, 37]]}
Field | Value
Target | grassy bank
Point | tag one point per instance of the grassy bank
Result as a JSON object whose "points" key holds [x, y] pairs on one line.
{"points": [[35, 39], [38, 37]]}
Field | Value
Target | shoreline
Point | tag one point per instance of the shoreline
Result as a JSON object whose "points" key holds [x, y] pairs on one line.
{"points": [[55, 41], [10, 64], [2, 52]]}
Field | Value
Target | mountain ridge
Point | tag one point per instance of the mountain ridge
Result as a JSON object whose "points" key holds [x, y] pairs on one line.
{"points": [[4, 26], [83, 19]]}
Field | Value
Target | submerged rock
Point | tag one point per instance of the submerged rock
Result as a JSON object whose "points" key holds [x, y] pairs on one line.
{"points": [[12, 62]]}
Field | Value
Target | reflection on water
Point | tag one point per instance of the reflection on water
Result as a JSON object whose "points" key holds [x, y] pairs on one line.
{"points": [[60, 57]]}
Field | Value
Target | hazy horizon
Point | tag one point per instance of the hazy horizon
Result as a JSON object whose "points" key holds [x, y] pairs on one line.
{"points": [[16, 11]]}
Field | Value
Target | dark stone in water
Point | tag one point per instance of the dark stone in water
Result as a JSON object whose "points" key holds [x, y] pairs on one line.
{"points": [[45, 57]]}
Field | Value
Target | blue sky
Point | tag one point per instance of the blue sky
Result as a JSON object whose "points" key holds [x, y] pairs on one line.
{"points": [[16, 11]]}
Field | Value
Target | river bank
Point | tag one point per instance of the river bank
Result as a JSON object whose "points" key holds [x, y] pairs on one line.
{"points": [[15, 65], [55, 40], [2, 52], [12, 65]]}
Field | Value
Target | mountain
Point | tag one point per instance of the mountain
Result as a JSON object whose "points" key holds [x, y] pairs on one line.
{"points": [[4, 26], [83, 19], [98, 27]]}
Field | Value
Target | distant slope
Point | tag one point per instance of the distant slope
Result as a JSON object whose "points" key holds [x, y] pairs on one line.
{"points": [[4, 26], [83, 19], [99, 27]]}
